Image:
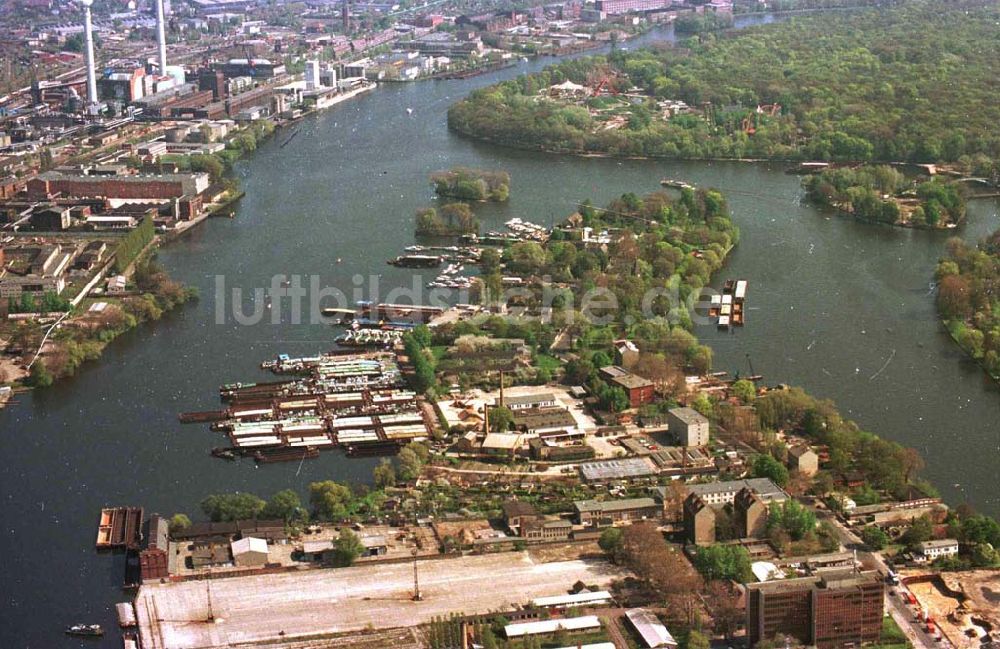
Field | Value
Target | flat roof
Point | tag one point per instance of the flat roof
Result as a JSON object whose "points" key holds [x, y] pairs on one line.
{"points": [[585, 597], [527, 398], [613, 505], [631, 467], [521, 629], [689, 415]]}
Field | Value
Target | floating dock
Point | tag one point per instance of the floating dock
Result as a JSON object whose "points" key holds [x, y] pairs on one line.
{"points": [[353, 401]]}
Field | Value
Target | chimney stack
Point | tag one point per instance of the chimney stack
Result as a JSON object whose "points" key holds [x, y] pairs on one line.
{"points": [[88, 29], [161, 38], [345, 12]]}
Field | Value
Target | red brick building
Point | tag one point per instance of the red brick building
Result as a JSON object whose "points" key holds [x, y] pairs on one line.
{"points": [[638, 389], [165, 186]]}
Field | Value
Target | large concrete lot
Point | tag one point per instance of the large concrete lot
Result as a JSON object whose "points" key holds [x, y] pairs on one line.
{"points": [[273, 610]]}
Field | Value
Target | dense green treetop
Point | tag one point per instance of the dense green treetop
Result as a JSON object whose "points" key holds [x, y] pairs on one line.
{"points": [[912, 82]]}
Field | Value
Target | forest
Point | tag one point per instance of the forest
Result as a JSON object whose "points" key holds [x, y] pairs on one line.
{"points": [[969, 298], [913, 82]]}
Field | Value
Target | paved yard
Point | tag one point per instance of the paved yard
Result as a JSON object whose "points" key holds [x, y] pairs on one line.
{"points": [[275, 610]]}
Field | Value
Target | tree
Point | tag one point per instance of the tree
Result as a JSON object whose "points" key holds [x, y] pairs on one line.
{"points": [[284, 505], [179, 522], [874, 537], [232, 507], [501, 419], [347, 548], [330, 500], [922, 529], [723, 601], [410, 463], [723, 562], [663, 567], [385, 474], [984, 555], [612, 542], [744, 390], [792, 519], [765, 466], [698, 640], [40, 377]]}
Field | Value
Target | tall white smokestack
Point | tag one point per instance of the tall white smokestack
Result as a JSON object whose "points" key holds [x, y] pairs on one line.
{"points": [[88, 30], [161, 38]]}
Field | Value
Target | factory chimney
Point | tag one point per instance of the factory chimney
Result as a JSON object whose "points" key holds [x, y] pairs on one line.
{"points": [[161, 38], [345, 14], [88, 29]]}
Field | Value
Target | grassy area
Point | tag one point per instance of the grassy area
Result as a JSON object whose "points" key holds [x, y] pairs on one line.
{"points": [[892, 636], [546, 362], [439, 351]]}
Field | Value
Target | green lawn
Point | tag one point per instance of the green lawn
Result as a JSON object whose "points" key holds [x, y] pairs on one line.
{"points": [[892, 636], [546, 362]]}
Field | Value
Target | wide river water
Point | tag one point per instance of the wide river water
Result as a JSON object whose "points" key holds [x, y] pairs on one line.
{"points": [[840, 308]]}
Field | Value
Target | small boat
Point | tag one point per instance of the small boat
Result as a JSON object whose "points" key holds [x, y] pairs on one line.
{"points": [[85, 630], [224, 453]]}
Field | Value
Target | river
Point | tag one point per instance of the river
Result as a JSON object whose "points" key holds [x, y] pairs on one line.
{"points": [[840, 308]]}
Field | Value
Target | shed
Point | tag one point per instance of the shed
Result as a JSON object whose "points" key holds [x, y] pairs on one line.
{"points": [[524, 629], [249, 551]]}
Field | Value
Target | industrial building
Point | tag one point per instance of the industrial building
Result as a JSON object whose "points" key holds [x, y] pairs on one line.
{"points": [[161, 186], [835, 608], [610, 512], [628, 468]]}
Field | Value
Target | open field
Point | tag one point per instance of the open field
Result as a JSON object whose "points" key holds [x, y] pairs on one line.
{"points": [[281, 610]]}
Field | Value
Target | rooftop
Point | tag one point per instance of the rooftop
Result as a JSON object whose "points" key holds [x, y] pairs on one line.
{"points": [[654, 634], [632, 467], [551, 626], [763, 487], [613, 505], [689, 416]]}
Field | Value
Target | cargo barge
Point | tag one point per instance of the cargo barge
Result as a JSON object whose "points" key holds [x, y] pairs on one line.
{"points": [[416, 261], [729, 308], [119, 527]]}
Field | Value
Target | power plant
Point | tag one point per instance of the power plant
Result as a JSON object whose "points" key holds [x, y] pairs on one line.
{"points": [[88, 28], [161, 38]]}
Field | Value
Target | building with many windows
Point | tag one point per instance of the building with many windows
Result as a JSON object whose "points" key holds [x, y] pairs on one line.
{"points": [[835, 608]]}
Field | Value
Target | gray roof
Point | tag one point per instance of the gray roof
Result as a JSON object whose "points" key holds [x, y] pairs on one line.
{"points": [[654, 634], [689, 416], [763, 487], [527, 398], [613, 505], [632, 467]]}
